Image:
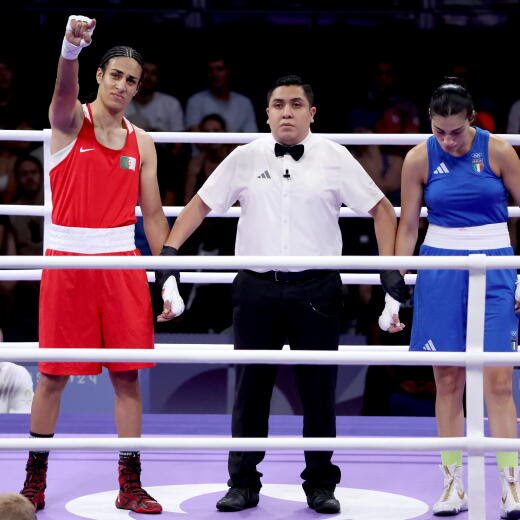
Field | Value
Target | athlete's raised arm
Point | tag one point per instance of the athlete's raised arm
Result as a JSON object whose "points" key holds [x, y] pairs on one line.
{"points": [[65, 114]]}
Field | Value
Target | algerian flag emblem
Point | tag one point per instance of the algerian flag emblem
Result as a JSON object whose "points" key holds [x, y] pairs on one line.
{"points": [[127, 163]]}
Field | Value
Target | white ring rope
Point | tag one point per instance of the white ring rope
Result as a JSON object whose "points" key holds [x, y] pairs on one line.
{"points": [[24, 135], [217, 346], [252, 444], [242, 138], [346, 139], [257, 262], [207, 278], [278, 357], [174, 211], [474, 446], [193, 277]]}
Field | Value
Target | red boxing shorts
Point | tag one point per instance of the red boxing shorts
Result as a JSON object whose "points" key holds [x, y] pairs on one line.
{"points": [[94, 308]]}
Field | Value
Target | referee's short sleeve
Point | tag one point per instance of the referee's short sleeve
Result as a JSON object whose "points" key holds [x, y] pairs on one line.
{"points": [[357, 189], [220, 191]]}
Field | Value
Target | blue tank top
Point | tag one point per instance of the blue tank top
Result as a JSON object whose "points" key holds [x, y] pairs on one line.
{"points": [[464, 191]]}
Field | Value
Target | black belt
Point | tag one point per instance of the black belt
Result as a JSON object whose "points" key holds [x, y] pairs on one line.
{"points": [[285, 276]]}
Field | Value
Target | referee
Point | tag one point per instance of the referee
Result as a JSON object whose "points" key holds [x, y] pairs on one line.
{"points": [[290, 185]]}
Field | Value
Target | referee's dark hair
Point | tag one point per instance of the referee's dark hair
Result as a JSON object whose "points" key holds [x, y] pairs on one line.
{"points": [[290, 80]]}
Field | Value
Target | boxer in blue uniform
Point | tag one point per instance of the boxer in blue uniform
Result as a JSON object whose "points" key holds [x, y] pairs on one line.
{"points": [[464, 176], [463, 192]]}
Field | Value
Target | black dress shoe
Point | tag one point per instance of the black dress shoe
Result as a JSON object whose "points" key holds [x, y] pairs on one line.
{"points": [[237, 499], [322, 501]]}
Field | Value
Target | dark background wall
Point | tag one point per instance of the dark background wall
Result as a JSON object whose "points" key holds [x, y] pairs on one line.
{"points": [[333, 44]]}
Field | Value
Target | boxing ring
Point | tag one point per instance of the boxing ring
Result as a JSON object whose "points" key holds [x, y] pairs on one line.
{"points": [[402, 463]]}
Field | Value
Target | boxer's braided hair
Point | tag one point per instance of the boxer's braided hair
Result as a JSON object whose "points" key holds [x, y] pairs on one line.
{"points": [[121, 51]]}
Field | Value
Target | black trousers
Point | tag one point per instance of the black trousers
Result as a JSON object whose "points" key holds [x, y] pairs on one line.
{"points": [[267, 313]]}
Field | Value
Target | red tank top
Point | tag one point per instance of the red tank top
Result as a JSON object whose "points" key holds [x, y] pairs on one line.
{"points": [[94, 186]]}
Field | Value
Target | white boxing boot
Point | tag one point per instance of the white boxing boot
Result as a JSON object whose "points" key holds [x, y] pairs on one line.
{"points": [[453, 499], [510, 503]]}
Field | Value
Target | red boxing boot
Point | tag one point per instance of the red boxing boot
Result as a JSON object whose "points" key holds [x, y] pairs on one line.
{"points": [[131, 495], [36, 480]]}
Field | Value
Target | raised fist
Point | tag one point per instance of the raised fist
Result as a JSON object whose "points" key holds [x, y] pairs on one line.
{"points": [[79, 30]]}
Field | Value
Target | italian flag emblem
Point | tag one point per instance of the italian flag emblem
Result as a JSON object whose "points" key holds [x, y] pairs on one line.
{"points": [[477, 165], [127, 163]]}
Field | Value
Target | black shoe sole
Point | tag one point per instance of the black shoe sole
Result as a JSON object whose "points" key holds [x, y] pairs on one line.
{"points": [[449, 513], [327, 510], [230, 509]]}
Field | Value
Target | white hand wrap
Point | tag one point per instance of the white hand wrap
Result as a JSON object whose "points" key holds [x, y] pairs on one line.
{"points": [[386, 319], [517, 292], [170, 293], [68, 50]]}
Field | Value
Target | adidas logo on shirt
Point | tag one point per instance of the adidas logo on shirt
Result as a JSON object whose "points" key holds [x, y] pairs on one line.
{"points": [[429, 345], [441, 169], [264, 175]]}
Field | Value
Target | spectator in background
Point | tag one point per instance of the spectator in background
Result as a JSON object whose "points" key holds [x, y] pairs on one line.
{"points": [[23, 236], [16, 389], [208, 306], [153, 110], [15, 108], [156, 111], [7, 180], [383, 165], [7, 92], [513, 118], [201, 166], [4, 235], [28, 230], [385, 108], [236, 109], [16, 392], [15, 114], [16, 507]]}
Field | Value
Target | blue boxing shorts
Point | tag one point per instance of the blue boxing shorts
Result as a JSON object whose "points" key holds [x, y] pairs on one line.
{"points": [[441, 302]]}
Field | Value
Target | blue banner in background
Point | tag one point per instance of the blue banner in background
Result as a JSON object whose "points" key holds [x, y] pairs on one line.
{"points": [[200, 388], [84, 394]]}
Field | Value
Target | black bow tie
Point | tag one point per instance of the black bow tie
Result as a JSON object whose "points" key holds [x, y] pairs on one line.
{"points": [[295, 151]]}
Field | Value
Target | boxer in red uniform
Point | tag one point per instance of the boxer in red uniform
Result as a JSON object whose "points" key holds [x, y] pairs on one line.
{"points": [[102, 166]]}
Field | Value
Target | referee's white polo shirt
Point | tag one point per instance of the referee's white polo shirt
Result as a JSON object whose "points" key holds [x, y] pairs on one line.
{"points": [[295, 216]]}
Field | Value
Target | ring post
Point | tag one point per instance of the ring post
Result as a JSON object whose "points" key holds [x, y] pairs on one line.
{"points": [[475, 387]]}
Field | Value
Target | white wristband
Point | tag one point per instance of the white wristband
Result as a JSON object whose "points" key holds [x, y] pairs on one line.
{"points": [[70, 51]]}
